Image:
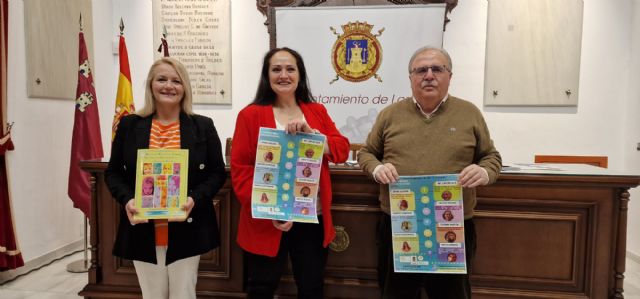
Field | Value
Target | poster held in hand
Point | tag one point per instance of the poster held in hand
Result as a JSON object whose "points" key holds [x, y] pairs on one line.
{"points": [[161, 183]]}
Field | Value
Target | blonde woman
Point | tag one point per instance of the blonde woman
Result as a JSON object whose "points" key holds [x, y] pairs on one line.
{"points": [[166, 254]]}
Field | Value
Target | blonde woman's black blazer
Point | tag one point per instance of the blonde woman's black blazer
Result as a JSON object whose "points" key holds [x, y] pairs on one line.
{"points": [[199, 233]]}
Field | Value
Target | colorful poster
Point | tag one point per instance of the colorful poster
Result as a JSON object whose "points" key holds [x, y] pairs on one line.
{"points": [[427, 224], [161, 183], [286, 177]]}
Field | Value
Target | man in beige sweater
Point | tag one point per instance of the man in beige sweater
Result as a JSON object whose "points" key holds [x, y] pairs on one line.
{"points": [[431, 133]]}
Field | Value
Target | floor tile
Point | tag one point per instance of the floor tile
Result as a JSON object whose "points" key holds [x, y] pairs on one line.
{"points": [[55, 282]]}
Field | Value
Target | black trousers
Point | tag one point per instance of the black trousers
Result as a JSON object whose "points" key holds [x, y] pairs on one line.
{"points": [[409, 285], [303, 245]]}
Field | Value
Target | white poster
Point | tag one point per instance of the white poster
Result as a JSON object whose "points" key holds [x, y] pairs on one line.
{"points": [[357, 56]]}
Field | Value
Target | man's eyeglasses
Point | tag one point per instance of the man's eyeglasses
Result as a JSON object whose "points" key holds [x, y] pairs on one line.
{"points": [[435, 69]]}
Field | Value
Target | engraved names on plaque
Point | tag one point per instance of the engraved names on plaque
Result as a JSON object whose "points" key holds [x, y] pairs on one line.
{"points": [[199, 35]]}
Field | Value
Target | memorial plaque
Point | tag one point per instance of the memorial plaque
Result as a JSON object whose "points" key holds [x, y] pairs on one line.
{"points": [[198, 33]]}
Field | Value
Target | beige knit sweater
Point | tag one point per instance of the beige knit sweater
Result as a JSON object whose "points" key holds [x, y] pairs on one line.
{"points": [[453, 138]]}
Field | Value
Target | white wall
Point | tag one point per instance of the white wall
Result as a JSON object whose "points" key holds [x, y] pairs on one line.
{"points": [[249, 42], [632, 135], [520, 133], [44, 217], [604, 123]]}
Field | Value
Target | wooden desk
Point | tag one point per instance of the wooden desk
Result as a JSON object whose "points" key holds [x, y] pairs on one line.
{"points": [[541, 234]]}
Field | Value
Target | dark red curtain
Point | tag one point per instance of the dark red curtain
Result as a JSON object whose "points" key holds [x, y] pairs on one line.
{"points": [[10, 256]]}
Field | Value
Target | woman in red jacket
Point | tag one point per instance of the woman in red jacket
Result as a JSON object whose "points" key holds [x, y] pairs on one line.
{"points": [[283, 101]]}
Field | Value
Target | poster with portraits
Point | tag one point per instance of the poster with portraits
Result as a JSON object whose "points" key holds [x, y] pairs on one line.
{"points": [[427, 224], [286, 177], [161, 183]]}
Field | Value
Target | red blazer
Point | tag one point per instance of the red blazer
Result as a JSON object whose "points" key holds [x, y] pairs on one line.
{"points": [[259, 236]]}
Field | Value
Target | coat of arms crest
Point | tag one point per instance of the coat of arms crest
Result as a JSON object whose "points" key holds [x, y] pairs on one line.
{"points": [[357, 53]]}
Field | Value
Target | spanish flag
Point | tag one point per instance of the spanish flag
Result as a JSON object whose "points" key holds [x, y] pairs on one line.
{"points": [[124, 97]]}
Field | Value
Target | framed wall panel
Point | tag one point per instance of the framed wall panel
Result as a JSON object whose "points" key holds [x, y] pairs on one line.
{"points": [[51, 38], [533, 52]]}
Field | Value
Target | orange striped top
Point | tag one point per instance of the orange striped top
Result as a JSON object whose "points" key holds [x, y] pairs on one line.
{"points": [[164, 137]]}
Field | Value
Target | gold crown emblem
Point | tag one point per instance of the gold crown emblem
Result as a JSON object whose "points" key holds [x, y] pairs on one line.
{"points": [[357, 26]]}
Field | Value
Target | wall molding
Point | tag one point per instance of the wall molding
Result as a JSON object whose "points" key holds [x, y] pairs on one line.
{"points": [[634, 257], [42, 260]]}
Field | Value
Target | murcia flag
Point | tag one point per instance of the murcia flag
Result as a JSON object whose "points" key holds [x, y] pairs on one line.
{"points": [[124, 96], [86, 143]]}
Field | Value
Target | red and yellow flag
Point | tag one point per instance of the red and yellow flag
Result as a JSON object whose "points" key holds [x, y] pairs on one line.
{"points": [[124, 97]]}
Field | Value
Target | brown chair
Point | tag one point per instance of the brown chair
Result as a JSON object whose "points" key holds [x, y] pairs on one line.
{"points": [[355, 148], [227, 151], [600, 161]]}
